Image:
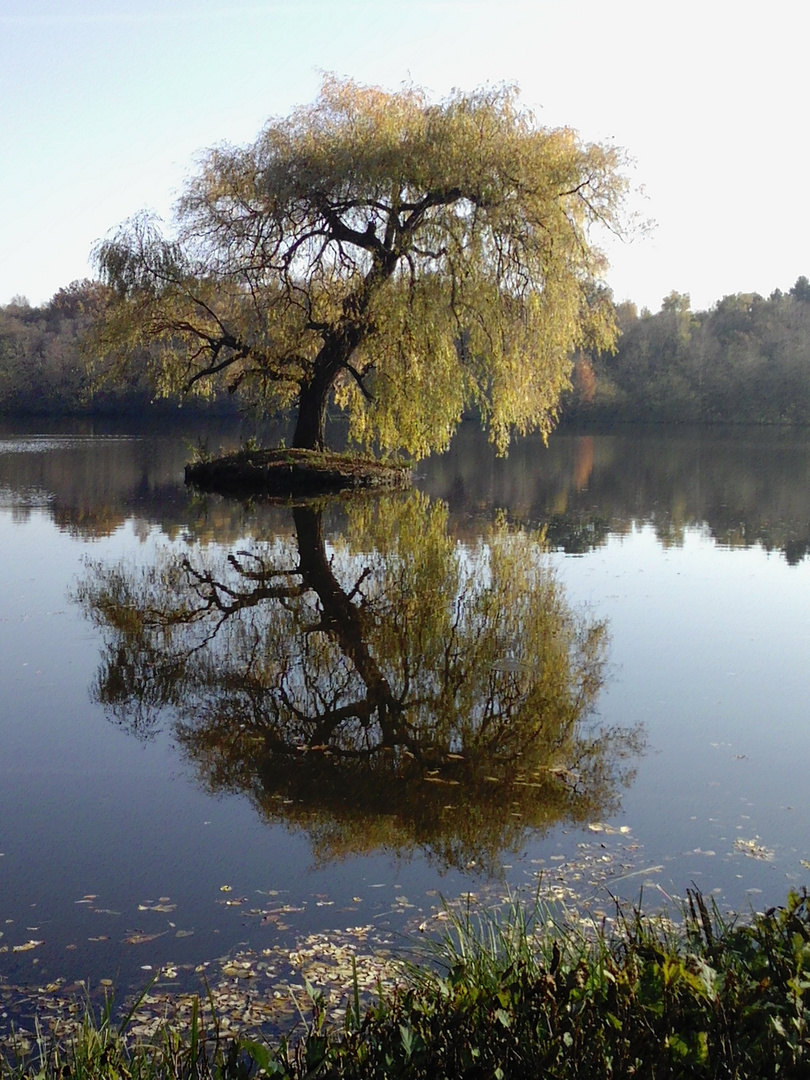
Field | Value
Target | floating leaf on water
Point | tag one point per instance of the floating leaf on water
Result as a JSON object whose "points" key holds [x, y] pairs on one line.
{"points": [[27, 946], [238, 969], [104, 937], [184, 933], [752, 848], [141, 939]]}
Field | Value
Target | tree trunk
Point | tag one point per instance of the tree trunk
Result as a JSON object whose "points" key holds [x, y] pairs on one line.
{"points": [[338, 346], [310, 427]]}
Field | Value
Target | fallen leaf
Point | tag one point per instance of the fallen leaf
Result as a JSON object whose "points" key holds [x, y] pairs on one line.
{"points": [[27, 946], [140, 939], [752, 849]]}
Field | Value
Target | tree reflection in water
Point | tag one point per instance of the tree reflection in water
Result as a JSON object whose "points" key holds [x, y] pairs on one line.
{"points": [[390, 688]]}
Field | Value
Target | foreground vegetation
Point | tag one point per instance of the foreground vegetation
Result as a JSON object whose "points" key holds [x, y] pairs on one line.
{"points": [[521, 996]]}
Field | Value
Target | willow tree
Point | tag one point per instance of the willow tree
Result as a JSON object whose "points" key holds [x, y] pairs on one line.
{"points": [[413, 259]]}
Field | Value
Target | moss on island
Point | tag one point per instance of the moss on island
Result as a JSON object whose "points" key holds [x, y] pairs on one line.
{"points": [[291, 472]]}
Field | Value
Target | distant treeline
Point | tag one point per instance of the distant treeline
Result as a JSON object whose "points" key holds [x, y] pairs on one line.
{"points": [[44, 371], [745, 360]]}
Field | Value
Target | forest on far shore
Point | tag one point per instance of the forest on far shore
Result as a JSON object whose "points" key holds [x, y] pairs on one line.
{"points": [[745, 360]]}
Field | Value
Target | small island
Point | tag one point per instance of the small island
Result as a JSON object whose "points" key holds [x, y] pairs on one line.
{"points": [[288, 472]]}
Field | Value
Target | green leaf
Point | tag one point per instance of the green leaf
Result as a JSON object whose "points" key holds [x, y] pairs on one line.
{"points": [[503, 1018]]}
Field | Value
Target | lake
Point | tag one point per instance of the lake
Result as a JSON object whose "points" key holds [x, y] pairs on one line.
{"points": [[230, 732]]}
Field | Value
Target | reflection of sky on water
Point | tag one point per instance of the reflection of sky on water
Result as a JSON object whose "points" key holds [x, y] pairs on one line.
{"points": [[709, 651]]}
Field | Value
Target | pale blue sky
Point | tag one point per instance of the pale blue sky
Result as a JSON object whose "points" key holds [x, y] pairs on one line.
{"points": [[104, 103]]}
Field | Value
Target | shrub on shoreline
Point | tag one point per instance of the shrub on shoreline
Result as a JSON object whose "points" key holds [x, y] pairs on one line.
{"points": [[519, 995]]}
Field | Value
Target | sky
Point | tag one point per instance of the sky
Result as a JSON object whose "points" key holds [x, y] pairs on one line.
{"points": [[105, 104]]}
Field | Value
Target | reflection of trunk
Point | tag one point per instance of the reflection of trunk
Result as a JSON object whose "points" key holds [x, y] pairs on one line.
{"points": [[343, 621]]}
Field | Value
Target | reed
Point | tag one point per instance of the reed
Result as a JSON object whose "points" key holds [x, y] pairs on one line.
{"points": [[523, 992]]}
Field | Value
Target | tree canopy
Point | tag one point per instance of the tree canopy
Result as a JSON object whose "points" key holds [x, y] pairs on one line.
{"points": [[414, 259]]}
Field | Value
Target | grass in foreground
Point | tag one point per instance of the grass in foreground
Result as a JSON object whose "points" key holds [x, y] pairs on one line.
{"points": [[520, 996]]}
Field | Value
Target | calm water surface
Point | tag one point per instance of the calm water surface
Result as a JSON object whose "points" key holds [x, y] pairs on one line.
{"points": [[225, 727]]}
